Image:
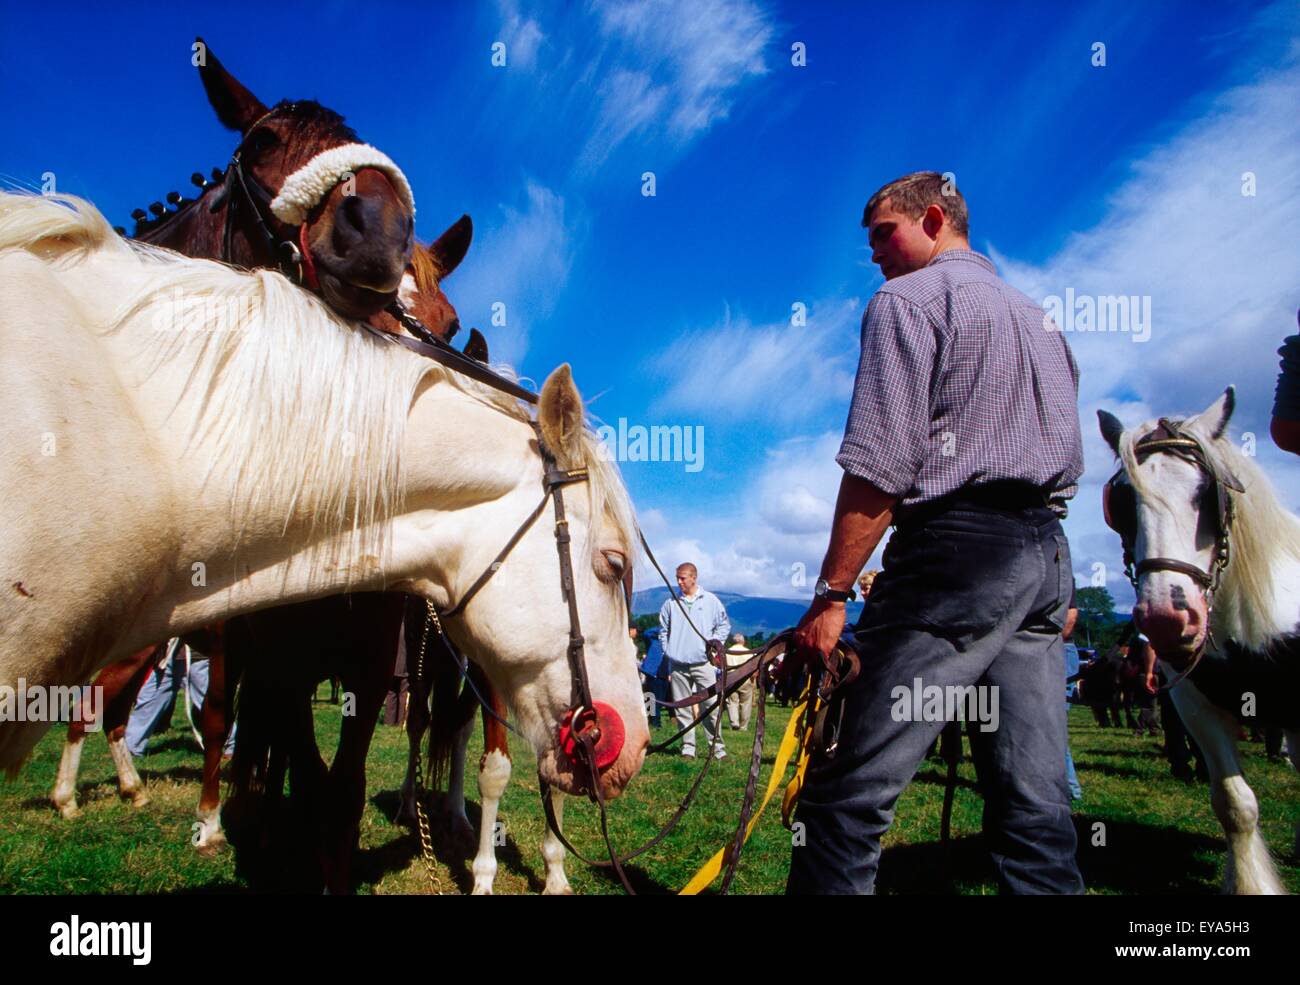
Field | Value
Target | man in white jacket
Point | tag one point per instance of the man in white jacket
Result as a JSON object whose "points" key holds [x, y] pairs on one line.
{"points": [[688, 657]]}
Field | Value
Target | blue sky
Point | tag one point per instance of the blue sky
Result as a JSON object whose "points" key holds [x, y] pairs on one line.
{"points": [[676, 309]]}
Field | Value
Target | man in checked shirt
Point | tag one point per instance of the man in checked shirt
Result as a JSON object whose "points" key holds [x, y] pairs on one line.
{"points": [[964, 434]]}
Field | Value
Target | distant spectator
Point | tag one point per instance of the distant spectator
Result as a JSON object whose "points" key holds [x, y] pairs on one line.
{"points": [[691, 668], [654, 675], [156, 701], [741, 700]]}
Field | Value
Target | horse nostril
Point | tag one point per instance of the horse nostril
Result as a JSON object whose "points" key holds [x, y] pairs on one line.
{"points": [[349, 224]]}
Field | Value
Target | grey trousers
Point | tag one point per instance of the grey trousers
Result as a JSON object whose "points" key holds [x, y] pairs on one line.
{"points": [[969, 597], [687, 679]]}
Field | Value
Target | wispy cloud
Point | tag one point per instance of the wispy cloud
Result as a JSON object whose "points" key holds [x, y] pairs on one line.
{"points": [[521, 35], [672, 68], [517, 269], [779, 370], [1220, 268], [774, 542]]}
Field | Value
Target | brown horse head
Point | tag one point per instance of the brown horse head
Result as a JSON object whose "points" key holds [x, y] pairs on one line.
{"points": [[421, 292], [349, 213]]}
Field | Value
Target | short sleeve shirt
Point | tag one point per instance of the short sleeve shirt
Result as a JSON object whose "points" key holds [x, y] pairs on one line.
{"points": [[962, 381]]}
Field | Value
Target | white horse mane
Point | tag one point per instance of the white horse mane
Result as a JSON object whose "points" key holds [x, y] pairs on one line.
{"points": [[300, 399], [1265, 537]]}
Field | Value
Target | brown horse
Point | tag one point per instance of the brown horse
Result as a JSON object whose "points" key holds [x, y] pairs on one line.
{"points": [[352, 244]]}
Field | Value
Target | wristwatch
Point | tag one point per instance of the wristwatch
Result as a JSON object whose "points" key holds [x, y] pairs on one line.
{"points": [[824, 591]]}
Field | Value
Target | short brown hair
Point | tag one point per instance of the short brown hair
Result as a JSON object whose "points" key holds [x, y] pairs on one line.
{"points": [[913, 193], [687, 566]]}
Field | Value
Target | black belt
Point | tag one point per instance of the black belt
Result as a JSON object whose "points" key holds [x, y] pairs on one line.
{"points": [[990, 497]]}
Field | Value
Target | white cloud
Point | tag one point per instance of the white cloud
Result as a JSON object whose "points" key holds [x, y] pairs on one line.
{"points": [[521, 260], [522, 36], [774, 545], [672, 68], [1219, 267], [1221, 270], [736, 369]]}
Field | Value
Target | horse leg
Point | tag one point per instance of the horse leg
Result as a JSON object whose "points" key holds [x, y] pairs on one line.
{"points": [[372, 671], [64, 794], [417, 721], [129, 678], [493, 777], [119, 686], [1249, 870], [215, 723], [453, 801], [557, 883], [129, 784]]}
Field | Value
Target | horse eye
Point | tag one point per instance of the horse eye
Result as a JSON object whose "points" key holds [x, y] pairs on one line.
{"points": [[263, 140], [616, 561]]}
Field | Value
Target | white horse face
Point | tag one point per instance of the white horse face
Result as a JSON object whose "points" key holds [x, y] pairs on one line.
{"points": [[1170, 512], [517, 626], [1171, 608]]}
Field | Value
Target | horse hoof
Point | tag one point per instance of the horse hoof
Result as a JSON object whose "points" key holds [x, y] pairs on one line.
{"points": [[566, 891], [481, 890], [213, 846], [140, 799], [70, 812]]}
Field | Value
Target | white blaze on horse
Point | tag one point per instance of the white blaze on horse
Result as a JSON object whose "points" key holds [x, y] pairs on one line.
{"points": [[181, 442], [1215, 561]]}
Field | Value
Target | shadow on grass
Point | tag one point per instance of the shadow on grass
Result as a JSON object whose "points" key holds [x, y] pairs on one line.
{"points": [[399, 853], [1169, 862]]}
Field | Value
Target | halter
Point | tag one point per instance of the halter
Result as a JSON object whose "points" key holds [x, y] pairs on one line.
{"points": [[290, 207], [1169, 438]]}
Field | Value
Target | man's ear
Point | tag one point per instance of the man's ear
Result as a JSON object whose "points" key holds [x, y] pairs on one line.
{"points": [[934, 220]]}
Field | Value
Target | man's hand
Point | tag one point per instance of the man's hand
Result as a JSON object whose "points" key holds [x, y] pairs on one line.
{"points": [[714, 649], [816, 635]]}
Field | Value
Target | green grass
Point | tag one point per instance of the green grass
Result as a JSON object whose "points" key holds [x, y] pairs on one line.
{"points": [[1160, 836]]}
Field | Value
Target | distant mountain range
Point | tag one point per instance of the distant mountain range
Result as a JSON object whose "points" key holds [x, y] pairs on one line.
{"points": [[749, 614], [755, 614]]}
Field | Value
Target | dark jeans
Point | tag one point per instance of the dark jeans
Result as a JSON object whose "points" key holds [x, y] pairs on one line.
{"points": [[967, 597]]}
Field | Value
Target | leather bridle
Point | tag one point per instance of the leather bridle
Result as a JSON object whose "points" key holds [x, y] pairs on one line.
{"points": [[1169, 438], [291, 256]]}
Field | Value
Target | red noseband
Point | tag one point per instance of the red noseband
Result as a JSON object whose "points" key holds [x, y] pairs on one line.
{"points": [[602, 723], [309, 279]]}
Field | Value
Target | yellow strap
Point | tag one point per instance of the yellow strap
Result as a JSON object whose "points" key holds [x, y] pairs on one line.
{"points": [[789, 743]]}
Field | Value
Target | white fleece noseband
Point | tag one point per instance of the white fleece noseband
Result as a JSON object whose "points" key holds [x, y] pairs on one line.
{"points": [[303, 190]]}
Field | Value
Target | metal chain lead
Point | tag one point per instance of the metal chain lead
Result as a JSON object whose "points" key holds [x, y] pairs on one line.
{"points": [[422, 818]]}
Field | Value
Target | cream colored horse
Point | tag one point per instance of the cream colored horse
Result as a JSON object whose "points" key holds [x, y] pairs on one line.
{"points": [[181, 442]]}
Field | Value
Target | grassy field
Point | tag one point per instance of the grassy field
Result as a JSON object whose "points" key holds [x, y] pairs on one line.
{"points": [[1160, 836]]}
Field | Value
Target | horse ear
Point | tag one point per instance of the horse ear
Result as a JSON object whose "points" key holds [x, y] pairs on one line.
{"points": [[1111, 429], [450, 248], [476, 347], [237, 108], [560, 415], [1214, 419]]}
